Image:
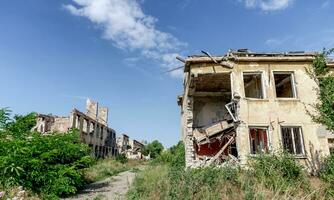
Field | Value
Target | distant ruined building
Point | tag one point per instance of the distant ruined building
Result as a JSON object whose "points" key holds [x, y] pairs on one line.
{"points": [[246, 103], [92, 126], [129, 147]]}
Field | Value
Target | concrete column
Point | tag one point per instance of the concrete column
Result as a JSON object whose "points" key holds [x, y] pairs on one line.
{"points": [[189, 147], [242, 142]]}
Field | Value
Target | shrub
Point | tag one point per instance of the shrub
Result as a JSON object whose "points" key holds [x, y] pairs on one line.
{"points": [[266, 177], [153, 149], [48, 164], [122, 158], [174, 156], [45, 164], [327, 174], [278, 172]]}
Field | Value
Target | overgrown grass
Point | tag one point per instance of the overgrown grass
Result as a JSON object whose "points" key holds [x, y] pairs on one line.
{"points": [[108, 167], [327, 175], [265, 177]]}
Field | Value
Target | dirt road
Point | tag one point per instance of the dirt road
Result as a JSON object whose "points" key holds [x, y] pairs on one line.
{"points": [[112, 188]]}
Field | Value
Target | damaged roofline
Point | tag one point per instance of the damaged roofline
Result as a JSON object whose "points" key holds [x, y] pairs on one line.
{"points": [[245, 55]]}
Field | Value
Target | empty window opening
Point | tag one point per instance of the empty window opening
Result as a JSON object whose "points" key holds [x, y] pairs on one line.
{"points": [[292, 138], [258, 140], [253, 85], [284, 85], [211, 93]]}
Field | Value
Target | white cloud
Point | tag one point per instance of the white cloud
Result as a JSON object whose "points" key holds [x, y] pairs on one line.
{"points": [[129, 28], [268, 5]]}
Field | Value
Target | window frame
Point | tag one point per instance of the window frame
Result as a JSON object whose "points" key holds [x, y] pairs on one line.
{"points": [[268, 138], [293, 82], [301, 135], [263, 90]]}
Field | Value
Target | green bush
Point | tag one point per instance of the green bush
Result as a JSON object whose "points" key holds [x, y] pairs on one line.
{"points": [[154, 149], [51, 165], [121, 158], [278, 172], [327, 174], [45, 164], [174, 156]]}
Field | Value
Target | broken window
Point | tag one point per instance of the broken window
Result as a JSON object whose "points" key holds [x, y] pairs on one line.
{"points": [[258, 140], [284, 85], [232, 110], [293, 140], [253, 85]]}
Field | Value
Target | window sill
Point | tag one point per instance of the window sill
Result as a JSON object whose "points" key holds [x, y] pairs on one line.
{"points": [[255, 99], [287, 99]]}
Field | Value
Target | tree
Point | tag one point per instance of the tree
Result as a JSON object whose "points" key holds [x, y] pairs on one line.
{"points": [[154, 149], [4, 118], [22, 125]]}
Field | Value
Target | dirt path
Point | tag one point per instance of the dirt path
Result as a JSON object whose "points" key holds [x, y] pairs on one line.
{"points": [[112, 188]]}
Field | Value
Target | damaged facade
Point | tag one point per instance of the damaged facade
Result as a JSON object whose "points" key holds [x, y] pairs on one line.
{"points": [[246, 103], [129, 147], [92, 126], [135, 150]]}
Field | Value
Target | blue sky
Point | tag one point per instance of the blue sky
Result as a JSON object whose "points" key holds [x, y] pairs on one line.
{"points": [[54, 54]]}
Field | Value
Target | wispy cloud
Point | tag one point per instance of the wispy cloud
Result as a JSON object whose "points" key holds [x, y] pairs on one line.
{"points": [[125, 24], [268, 5], [314, 41]]}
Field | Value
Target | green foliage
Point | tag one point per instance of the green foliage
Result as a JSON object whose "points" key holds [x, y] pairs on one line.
{"points": [[121, 158], [326, 107], [22, 125], [265, 177], [48, 164], [174, 156], [104, 168], [319, 63], [327, 174], [278, 172], [153, 149], [326, 90], [4, 118]]}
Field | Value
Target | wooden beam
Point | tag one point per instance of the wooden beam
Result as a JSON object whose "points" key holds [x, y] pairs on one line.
{"points": [[213, 159]]}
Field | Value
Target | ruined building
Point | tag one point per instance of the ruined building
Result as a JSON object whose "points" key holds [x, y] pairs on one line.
{"points": [[244, 103], [135, 150], [123, 144], [92, 126], [129, 147]]}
